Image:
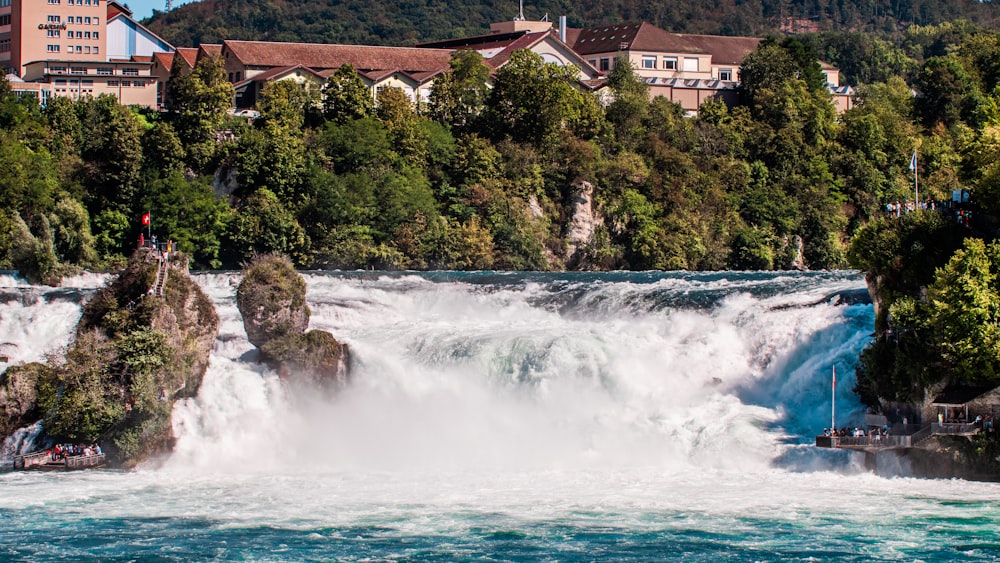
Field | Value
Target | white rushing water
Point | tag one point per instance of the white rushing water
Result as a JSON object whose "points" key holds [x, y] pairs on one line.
{"points": [[652, 403]]}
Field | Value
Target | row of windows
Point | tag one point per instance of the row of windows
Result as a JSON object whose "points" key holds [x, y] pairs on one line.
{"points": [[670, 63], [69, 34], [86, 49], [79, 20], [111, 83], [73, 2]]}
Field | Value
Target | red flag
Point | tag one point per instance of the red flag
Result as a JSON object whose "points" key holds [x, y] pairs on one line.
{"points": [[145, 218]]}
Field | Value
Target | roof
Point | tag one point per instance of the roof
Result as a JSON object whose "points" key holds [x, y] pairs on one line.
{"points": [[959, 394], [487, 41], [166, 60], [647, 37], [208, 50], [322, 56], [189, 54], [277, 72], [724, 49], [633, 36]]}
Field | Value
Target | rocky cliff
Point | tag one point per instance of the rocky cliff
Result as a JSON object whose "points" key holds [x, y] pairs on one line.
{"points": [[134, 354], [272, 300]]}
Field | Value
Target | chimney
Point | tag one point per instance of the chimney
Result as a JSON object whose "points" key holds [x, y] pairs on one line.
{"points": [[562, 28]]}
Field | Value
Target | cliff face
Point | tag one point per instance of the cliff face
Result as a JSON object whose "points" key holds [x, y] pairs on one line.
{"points": [[272, 300], [943, 457], [134, 354]]}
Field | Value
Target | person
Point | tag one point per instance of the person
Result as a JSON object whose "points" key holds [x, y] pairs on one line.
{"points": [[154, 241], [142, 240]]}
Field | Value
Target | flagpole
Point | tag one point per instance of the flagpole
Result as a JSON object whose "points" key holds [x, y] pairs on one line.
{"points": [[149, 225], [833, 402], [916, 191]]}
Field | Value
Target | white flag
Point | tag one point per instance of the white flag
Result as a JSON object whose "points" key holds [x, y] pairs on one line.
{"points": [[913, 161]]}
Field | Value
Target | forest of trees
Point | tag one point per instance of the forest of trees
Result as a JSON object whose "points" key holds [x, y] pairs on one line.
{"points": [[406, 23], [484, 178]]}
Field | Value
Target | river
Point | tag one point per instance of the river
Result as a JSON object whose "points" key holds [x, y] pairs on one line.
{"points": [[509, 417]]}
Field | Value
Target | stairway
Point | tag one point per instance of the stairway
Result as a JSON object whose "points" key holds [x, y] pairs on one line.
{"points": [[161, 278]]}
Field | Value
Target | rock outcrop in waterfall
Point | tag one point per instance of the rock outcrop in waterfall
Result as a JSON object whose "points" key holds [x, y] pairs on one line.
{"points": [[272, 300], [138, 348]]}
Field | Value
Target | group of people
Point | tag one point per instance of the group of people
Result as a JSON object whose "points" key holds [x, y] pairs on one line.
{"points": [[62, 451], [874, 432], [897, 209]]}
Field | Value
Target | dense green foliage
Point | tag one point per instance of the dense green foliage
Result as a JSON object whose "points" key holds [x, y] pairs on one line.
{"points": [[403, 23], [483, 178]]}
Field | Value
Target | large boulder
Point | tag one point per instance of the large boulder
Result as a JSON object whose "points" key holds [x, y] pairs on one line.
{"points": [[272, 299], [19, 396], [134, 354]]}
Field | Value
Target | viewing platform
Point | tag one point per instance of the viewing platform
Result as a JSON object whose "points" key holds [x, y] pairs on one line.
{"points": [[875, 441], [45, 461]]}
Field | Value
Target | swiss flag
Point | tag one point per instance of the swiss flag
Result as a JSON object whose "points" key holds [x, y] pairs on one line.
{"points": [[145, 218]]}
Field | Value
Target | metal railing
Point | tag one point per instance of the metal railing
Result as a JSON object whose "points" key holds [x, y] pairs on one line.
{"points": [[83, 461]]}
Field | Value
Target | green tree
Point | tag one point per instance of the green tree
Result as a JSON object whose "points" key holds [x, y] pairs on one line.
{"points": [[193, 217], [532, 100], [964, 309], [198, 100], [459, 95], [948, 93], [345, 96], [111, 152]]}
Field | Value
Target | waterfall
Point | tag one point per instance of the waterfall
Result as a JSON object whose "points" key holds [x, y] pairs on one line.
{"points": [[532, 371]]}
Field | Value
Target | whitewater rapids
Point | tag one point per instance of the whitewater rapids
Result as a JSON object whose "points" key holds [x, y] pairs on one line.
{"points": [[511, 416]]}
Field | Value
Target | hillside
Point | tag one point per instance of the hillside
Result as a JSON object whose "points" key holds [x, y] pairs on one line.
{"points": [[412, 21]]}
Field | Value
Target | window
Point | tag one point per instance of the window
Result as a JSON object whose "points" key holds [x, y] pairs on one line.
{"points": [[649, 63], [79, 49], [78, 70], [4, 3], [53, 1], [128, 71], [86, 49], [52, 33], [669, 63], [239, 76], [5, 20], [605, 64], [96, 35], [60, 81], [97, 21], [96, 50], [79, 19], [86, 20], [87, 82], [113, 83], [690, 64], [57, 69], [103, 71], [52, 48], [139, 83], [726, 74], [126, 84], [4, 45], [86, 35], [53, 19]]}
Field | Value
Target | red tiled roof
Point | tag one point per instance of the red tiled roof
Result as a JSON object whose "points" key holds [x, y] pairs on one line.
{"points": [[647, 37], [279, 71], [189, 54], [209, 50], [142, 58], [322, 56], [166, 60], [526, 41], [724, 49]]}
